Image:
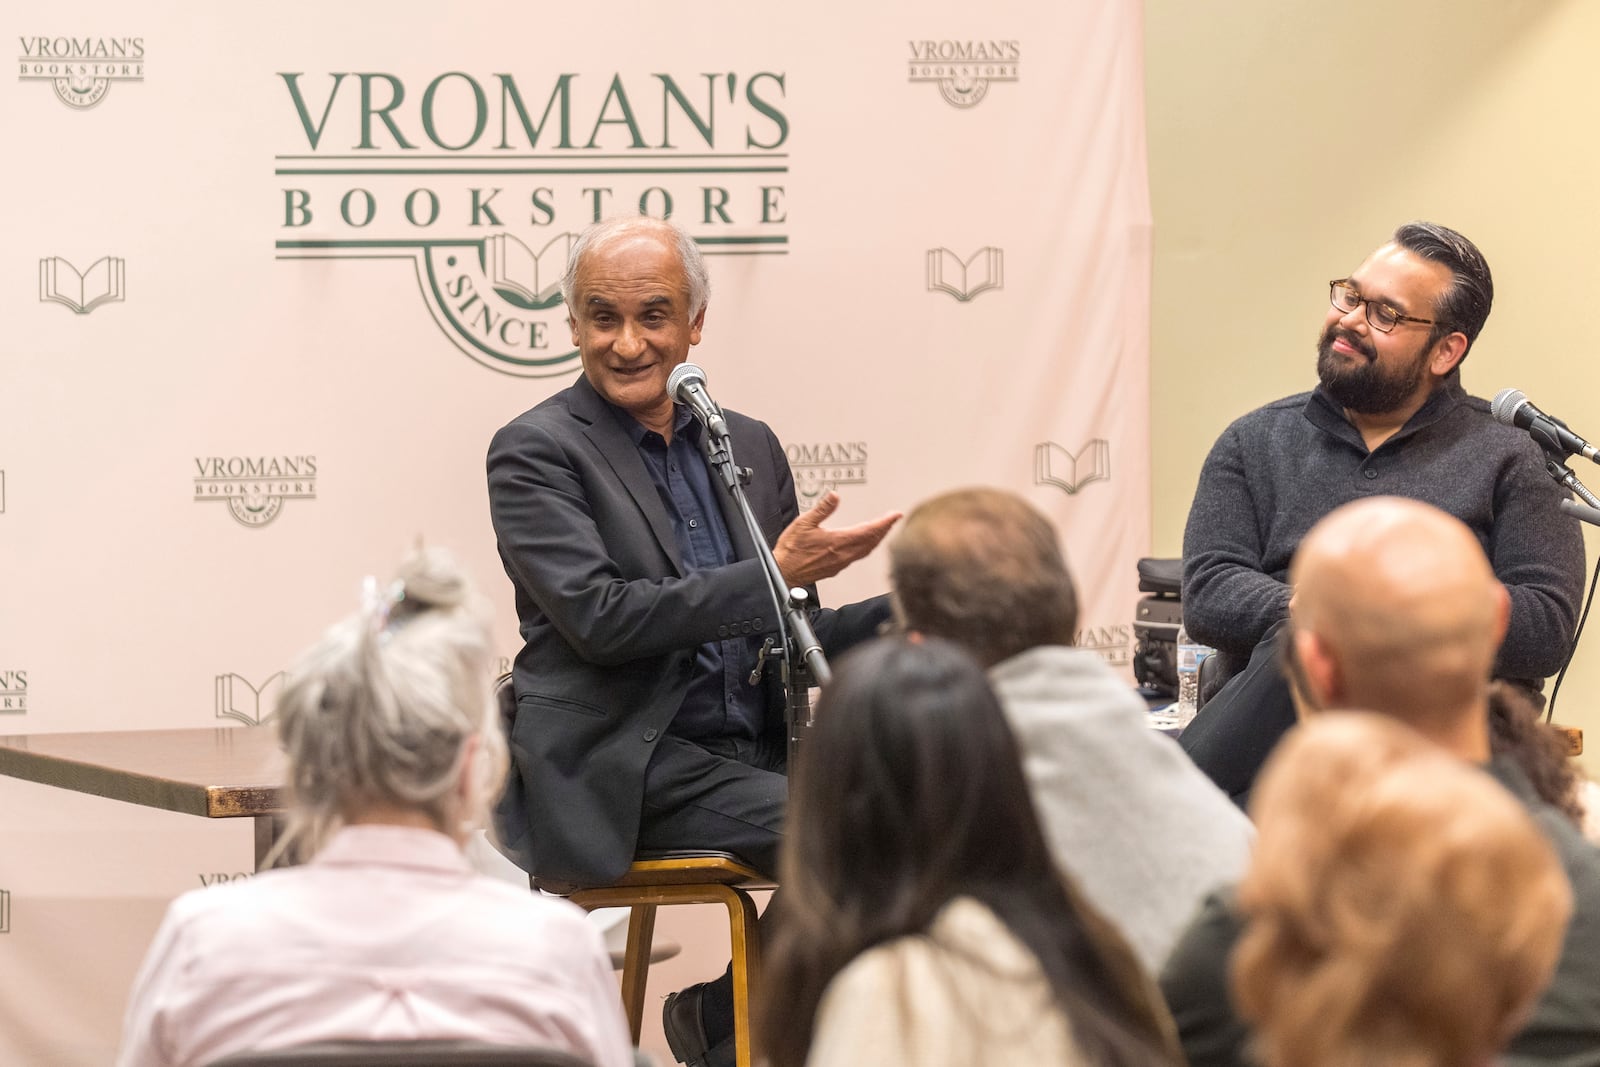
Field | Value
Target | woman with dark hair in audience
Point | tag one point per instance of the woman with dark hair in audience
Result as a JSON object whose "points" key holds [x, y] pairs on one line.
{"points": [[1401, 909], [394, 755], [1517, 729], [923, 920]]}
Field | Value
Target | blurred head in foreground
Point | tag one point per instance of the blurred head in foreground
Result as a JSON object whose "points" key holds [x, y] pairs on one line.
{"points": [[1402, 908], [918, 798], [983, 568], [1397, 610], [390, 718]]}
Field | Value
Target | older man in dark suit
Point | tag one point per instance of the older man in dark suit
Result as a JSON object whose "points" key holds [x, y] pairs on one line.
{"points": [[644, 717]]}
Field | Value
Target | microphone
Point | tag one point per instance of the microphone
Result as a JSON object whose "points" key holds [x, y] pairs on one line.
{"points": [[687, 385], [1513, 408]]}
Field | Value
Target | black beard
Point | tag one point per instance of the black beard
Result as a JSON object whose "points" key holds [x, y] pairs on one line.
{"points": [[1366, 389]]}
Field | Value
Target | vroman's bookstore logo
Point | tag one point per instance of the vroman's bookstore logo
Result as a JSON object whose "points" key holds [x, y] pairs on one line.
{"points": [[82, 68], [828, 465], [1113, 643], [13, 692], [481, 182], [255, 487], [223, 877], [964, 69]]}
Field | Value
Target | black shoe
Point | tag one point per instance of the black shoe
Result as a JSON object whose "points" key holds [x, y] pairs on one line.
{"points": [[686, 1031]]}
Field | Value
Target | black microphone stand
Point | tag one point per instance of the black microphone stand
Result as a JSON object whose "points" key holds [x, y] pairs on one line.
{"points": [[1564, 476], [799, 650], [1589, 512], [1581, 512]]}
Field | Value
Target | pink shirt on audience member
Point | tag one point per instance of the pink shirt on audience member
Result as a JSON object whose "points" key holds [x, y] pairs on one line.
{"points": [[386, 933]]}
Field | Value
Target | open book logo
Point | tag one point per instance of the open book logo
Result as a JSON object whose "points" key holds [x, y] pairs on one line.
{"points": [[1054, 465], [82, 291], [82, 68], [530, 280], [238, 699], [964, 69], [965, 279]]}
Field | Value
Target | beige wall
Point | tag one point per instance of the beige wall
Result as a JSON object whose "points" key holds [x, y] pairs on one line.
{"points": [[1287, 139]]}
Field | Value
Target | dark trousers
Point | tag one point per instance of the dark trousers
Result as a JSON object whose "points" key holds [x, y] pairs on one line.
{"points": [[1239, 727], [724, 794]]}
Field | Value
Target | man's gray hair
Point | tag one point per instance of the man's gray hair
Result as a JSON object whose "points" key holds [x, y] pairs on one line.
{"points": [[617, 226]]}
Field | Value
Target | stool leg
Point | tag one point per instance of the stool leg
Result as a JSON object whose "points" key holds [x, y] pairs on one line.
{"points": [[636, 964], [745, 940]]}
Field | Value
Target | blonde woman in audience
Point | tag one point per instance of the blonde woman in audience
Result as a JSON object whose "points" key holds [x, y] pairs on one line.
{"points": [[923, 921], [394, 754], [1402, 909]]}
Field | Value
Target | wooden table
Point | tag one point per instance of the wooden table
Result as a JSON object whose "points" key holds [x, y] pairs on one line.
{"points": [[216, 772]]}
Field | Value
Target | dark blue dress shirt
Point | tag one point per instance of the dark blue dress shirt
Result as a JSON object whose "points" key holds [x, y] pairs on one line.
{"points": [[720, 702]]}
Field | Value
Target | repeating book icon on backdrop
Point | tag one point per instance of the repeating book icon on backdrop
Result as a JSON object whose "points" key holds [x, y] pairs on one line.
{"points": [[251, 705], [965, 279], [82, 291], [1054, 465]]}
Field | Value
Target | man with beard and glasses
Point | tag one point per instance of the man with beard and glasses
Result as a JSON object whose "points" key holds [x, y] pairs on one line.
{"points": [[1390, 417]]}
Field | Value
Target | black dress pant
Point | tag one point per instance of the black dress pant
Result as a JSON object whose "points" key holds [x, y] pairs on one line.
{"points": [[1239, 727], [726, 794]]}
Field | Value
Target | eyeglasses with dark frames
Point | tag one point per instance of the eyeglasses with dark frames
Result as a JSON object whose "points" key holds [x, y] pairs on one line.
{"points": [[1380, 316]]}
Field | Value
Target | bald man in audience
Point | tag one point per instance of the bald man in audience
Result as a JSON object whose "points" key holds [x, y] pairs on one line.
{"points": [[1397, 610], [1143, 831]]}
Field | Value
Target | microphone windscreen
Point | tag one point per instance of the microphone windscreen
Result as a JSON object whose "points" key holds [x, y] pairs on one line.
{"points": [[1505, 404], [682, 375]]}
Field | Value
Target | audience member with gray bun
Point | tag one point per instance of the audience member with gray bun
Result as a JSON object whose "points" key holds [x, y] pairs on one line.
{"points": [[924, 921], [386, 932]]}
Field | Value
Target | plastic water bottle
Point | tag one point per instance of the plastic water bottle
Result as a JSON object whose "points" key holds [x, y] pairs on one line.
{"points": [[1190, 655]]}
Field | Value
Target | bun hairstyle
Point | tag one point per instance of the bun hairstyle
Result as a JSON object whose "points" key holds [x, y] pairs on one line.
{"points": [[384, 712]]}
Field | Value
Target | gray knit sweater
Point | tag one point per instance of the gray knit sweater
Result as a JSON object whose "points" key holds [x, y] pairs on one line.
{"points": [[1276, 471]]}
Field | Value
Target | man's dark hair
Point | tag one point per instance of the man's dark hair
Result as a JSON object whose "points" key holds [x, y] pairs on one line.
{"points": [[1465, 306], [982, 568]]}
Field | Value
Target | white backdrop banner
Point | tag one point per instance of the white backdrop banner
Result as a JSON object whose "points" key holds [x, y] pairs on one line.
{"points": [[275, 273]]}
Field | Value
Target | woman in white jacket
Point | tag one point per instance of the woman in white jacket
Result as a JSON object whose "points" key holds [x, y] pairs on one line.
{"points": [[923, 920]]}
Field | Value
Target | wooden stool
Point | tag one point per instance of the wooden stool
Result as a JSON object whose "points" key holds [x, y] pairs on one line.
{"points": [[662, 879]]}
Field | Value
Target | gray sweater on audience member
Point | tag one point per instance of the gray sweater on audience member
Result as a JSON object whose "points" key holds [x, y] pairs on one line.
{"points": [[1279, 469], [1564, 1030], [1143, 831]]}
